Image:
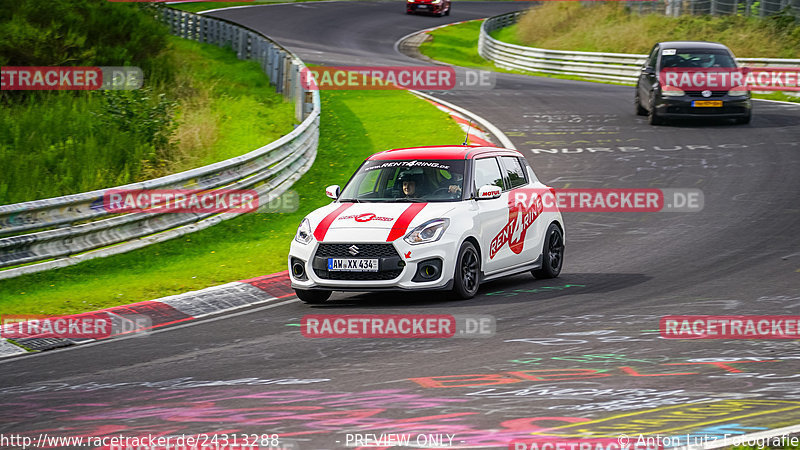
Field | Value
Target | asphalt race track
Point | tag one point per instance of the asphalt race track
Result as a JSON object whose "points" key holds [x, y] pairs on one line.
{"points": [[580, 355]]}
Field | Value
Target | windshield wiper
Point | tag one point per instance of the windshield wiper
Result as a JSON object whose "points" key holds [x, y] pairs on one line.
{"points": [[349, 200]]}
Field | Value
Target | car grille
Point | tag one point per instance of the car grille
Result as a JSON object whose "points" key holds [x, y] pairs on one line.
{"points": [[364, 251], [710, 111], [359, 276], [699, 94], [388, 264]]}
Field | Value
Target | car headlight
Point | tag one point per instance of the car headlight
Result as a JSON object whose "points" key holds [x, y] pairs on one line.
{"points": [[671, 91], [738, 91], [303, 234], [436, 2], [429, 231]]}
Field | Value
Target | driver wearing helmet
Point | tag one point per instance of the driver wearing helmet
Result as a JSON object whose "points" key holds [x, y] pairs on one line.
{"points": [[409, 185]]}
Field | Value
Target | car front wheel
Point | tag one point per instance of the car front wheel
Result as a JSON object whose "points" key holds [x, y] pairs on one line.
{"points": [[552, 254], [468, 270], [652, 116], [314, 297], [640, 111]]}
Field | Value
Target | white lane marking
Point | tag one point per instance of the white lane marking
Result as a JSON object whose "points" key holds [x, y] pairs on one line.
{"points": [[472, 129], [8, 349], [504, 140], [777, 101]]}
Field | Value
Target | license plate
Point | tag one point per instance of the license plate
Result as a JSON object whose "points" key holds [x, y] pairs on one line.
{"points": [[352, 265], [707, 103], [422, 6]]}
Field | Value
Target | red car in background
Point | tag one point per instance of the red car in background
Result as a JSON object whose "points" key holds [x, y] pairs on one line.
{"points": [[437, 7]]}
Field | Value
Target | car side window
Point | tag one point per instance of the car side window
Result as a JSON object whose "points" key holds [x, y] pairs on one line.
{"points": [[515, 174], [651, 60], [487, 171], [369, 184]]}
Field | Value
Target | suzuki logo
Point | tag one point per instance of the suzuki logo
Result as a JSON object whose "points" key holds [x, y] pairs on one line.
{"points": [[353, 250]]}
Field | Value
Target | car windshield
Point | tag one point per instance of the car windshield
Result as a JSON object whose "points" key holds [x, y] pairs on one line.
{"points": [[696, 59], [406, 181]]}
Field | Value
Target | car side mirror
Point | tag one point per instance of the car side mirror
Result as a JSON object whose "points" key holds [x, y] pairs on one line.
{"points": [[332, 191], [647, 70], [488, 192]]}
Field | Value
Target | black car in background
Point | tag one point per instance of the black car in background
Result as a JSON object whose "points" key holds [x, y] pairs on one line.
{"points": [[660, 101]]}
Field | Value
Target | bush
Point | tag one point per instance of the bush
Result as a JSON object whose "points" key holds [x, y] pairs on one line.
{"points": [[58, 142], [79, 32]]}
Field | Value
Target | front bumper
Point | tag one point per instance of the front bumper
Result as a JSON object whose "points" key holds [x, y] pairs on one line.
{"points": [[676, 107], [396, 272], [425, 7]]}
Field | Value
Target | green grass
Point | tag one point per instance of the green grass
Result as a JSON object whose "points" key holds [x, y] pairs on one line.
{"points": [[458, 45], [214, 107], [60, 138], [229, 106], [610, 27], [507, 34], [354, 124]]}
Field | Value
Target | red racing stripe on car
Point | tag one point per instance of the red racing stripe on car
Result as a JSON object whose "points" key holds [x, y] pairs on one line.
{"points": [[401, 226], [322, 228]]}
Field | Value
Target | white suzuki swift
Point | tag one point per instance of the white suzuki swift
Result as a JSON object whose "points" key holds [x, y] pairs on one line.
{"points": [[429, 218]]}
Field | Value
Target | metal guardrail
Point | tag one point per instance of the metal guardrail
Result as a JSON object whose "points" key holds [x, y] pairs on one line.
{"points": [[620, 67], [61, 231], [606, 66]]}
